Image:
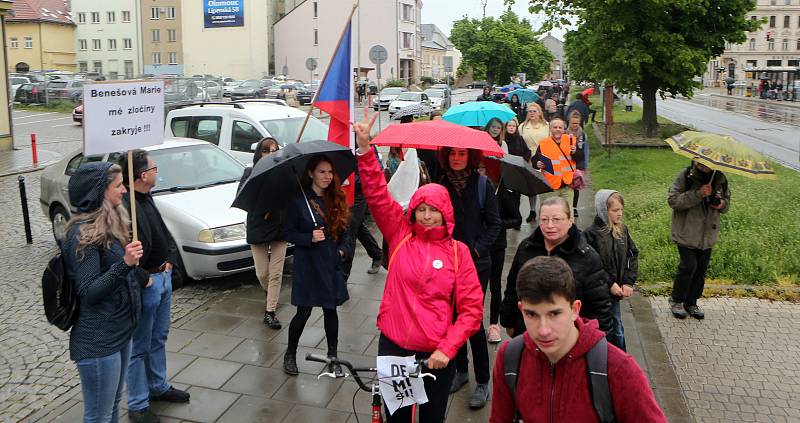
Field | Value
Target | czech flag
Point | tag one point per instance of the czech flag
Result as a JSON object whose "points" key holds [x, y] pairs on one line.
{"points": [[336, 98]]}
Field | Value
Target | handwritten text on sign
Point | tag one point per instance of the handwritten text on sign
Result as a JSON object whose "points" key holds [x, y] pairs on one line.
{"points": [[398, 389], [122, 116]]}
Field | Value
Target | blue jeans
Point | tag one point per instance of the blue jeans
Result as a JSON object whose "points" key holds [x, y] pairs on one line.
{"points": [[147, 372], [619, 331], [102, 380]]}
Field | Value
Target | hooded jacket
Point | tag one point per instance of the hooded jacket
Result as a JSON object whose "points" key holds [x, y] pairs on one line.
{"points": [[620, 256], [591, 281], [424, 282], [695, 224], [560, 392], [260, 230]]}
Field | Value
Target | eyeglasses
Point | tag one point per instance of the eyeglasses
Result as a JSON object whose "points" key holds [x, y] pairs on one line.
{"points": [[545, 221], [268, 150], [151, 168]]}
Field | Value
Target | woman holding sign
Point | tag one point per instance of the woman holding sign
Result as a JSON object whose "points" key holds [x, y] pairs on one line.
{"points": [[431, 279]]}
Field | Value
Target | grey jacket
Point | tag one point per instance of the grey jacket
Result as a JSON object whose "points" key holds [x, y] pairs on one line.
{"points": [[694, 223]]}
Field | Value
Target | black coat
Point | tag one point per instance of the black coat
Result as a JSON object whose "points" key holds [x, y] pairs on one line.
{"points": [[260, 230], [475, 227], [620, 257], [317, 280], [517, 146], [591, 281], [520, 109], [580, 107], [508, 219]]}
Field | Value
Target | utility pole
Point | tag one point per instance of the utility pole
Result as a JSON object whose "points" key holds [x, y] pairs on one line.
{"points": [[483, 2]]}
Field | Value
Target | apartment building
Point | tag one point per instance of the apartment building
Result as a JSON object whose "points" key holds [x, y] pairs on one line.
{"points": [[108, 37], [772, 51], [40, 36], [162, 43], [6, 140], [558, 68], [440, 58], [312, 29]]}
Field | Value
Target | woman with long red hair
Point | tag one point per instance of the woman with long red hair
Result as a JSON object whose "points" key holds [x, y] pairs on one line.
{"points": [[317, 226]]}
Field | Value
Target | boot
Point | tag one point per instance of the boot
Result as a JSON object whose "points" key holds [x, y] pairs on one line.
{"points": [[290, 364]]}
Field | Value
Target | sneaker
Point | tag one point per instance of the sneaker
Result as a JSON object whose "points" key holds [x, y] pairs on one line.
{"points": [[271, 320], [171, 395], [290, 364], [376, 265], [480, 396], [678, 310], [459, 380], [143, 416], [335, 368], [695, 312], [493, 334], [531, 217], [574, 212]]}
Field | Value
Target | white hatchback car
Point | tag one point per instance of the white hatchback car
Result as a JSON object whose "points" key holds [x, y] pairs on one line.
{"points": [[235, 126], [408, 98], [196, 185]]}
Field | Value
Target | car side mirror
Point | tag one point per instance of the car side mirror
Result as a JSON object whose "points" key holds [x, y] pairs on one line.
{"points": [[254, 146]]}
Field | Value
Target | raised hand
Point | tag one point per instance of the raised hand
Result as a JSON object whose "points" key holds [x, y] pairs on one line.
{"points": [[363, 130]]}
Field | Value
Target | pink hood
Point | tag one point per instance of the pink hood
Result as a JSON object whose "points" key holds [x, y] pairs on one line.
{"points": [[437, 196]]}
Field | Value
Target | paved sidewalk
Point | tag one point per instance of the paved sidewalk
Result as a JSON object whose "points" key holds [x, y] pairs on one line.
{"points": [[21, 161]]}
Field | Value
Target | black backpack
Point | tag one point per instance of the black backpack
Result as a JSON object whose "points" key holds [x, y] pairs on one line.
{"points": [[59, 294], [597, 373]]}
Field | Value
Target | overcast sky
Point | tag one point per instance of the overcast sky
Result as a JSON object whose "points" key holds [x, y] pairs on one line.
{"points": [[443, 13]]}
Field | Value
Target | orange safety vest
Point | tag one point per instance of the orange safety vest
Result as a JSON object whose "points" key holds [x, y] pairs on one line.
{"points": [[563, 166]]}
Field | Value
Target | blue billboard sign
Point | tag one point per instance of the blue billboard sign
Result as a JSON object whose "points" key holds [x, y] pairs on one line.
{"points": [[223, 13]]}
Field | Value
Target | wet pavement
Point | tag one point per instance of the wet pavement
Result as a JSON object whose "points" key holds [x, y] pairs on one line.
{"points": [[772, 111]]}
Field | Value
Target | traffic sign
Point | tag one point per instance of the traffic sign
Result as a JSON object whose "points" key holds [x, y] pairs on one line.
{"points": [[378, 54], [311, 63]]}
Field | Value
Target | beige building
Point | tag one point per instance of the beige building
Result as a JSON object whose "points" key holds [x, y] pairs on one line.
{"points": [[6, 139], [312, 29], [772, 51], [440, 58], [224, 42], [558, 68], [40, 36], [162, 43]]}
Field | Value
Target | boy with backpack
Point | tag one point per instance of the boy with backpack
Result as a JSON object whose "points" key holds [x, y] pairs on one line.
{"points": [[561, 369]]}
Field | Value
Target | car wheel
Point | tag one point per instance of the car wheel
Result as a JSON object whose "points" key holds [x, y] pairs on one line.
{"points": [[59, 218]]}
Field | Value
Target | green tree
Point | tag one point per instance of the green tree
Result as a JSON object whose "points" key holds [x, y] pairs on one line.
{"points": [[499, 48], [646, 46]]}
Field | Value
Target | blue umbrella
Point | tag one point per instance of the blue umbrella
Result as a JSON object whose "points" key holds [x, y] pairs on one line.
{"points": [[525, 95], [478, 113], [509, 87]]}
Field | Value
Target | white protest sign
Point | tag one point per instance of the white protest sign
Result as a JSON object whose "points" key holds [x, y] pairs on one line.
{"points": [[122, 115], [398, 389]]}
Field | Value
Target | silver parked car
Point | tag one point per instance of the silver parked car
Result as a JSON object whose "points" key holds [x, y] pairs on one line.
{"points": [[197, 183]]}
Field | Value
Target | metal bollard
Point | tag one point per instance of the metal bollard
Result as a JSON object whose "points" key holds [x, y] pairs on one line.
{"points": [[23, 198], [33, 150]]}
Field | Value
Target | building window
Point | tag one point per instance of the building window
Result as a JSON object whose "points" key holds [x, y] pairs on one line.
{"points": [[408, 39], [112, 44], [798, 43], [316, 37], [156, 58], [82, 18], [785, 44], [156, 35], [774, 63], [172, 35], [98, 66], [315, 5], [112, 17], [14, 42], [128, 69], [95, 17], [173, 58], [83, 66], [752, 63], [96, 44], [786, 20], [773, 2], [28, 42], [83, 45], [126, 16], [771, 44], [793, 63], [171, 13], [772, 22], [154, 13], [408, 12], [127, 44], [752, 44], [753, 18]]}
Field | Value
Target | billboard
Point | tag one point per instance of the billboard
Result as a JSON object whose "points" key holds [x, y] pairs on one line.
{"points": [[223, 13]]}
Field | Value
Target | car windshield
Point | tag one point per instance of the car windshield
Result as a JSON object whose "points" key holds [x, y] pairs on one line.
{"points": [[17, 81], [249, 84], [409, 97], [194, 167], [286, 130], [391, 91], [434, 93], [57, 84]]}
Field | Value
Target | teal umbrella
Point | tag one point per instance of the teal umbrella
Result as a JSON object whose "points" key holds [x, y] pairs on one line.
{"points": [[525, 95], [478, 113]]}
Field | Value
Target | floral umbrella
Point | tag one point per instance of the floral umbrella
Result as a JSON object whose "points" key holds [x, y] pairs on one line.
{"points": [[723, 153]]}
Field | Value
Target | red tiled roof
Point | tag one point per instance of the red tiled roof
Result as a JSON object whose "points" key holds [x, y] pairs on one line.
{"points": [[40, 10]]}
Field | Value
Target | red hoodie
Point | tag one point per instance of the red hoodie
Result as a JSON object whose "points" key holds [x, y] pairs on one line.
{"points": [[416, 310], [560, 392]]}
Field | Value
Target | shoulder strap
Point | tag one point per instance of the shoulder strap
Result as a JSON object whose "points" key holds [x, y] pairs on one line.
{"points": [[512, 357], [396, 249], [482, 191], [569, 161], [597, 368]]}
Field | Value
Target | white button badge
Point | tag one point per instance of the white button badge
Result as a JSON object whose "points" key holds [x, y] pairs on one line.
{"points": [[437, 264]]}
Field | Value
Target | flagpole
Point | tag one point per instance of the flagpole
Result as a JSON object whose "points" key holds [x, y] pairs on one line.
{"points": [[325, 75]]}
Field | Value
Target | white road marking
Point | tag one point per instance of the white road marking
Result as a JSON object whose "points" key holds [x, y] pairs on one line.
{"points": [[65, 124], [34, 115], [40, 121]]}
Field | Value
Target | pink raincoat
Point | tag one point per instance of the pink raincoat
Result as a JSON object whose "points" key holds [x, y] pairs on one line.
{"points": [[429, 273]]}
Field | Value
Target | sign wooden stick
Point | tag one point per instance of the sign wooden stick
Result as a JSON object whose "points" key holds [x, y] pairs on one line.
{"points": [[132, 193]]}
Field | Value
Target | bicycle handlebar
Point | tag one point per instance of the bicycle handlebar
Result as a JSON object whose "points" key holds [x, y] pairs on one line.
{"points": [[355, 370]]}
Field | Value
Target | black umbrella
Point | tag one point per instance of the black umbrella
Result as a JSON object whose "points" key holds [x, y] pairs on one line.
{"points": [[519, 176], [275, 179]]}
